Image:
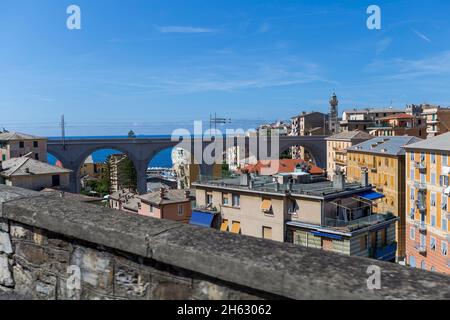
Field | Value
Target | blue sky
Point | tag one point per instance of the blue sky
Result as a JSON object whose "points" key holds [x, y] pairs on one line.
{"points": [[156, 65]]}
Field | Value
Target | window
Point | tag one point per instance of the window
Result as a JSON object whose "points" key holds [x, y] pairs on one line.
{"points": [[444, 160], [36, 156], [412, 194], [35, 144], [433, 178], [423, 178], [224, 225], [433, 199], [412, 261], [225, 199], [383, 236], [423, 265], [433, 158], [236, 227], [411, 156], [412, 233], [266, 205], [363, 242], [422, 157], [433, 220], [236, 200], [423, 240], [267, 233], [444, 202], [21, 144], [3, 157], [55, 180], [433, 243], [444, 222], [180, 209], [151, 209], [411, 174], [292, 206], [444, 248], [209, 199]]}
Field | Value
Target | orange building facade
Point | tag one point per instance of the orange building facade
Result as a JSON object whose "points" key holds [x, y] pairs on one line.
{"points": [[427, 204]]}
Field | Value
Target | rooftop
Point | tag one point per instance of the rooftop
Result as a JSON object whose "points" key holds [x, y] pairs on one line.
{"points": [[169, 196], [440, 142], [27, 166], [400, 116], [12, 136], [374, 110], [267, 184], [350, 136], [282, 166], [385, 145]]}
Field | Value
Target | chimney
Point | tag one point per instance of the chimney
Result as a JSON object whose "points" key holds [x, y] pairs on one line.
{"points": [[162, 193], [27, 170], [364, 177], [187, 194], [339, 181], [245, 179]]}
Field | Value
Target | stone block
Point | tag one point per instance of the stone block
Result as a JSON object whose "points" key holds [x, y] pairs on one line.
{"points": [[164, 287], [19, 231], [24, 277], [4, 226], [44, 257], [5, 243], [6, 276], [130, 282], [96, 268], [45, 287]]}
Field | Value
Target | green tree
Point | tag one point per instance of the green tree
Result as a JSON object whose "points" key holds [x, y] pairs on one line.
{"points": [[127, 174]]}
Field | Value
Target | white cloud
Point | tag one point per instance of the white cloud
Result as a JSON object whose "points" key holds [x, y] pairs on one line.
{"points": [[382, 45], [184, 29], [422, 36]]}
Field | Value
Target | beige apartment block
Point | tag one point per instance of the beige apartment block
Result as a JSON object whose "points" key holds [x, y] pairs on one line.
{"points": [[337, 149], [334, 216], [16, 145]]}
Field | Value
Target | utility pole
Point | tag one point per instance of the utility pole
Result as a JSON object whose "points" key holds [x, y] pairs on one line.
{"points": [[215, 120], [63, 131]]}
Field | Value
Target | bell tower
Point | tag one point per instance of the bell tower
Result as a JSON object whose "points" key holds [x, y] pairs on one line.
{"points": [[333, 116]]}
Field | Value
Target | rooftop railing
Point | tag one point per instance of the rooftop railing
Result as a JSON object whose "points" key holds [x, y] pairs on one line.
{"points": [[359, 223]]}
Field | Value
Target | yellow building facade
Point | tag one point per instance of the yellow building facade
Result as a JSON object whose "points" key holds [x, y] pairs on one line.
{"points": [[384, 159]]}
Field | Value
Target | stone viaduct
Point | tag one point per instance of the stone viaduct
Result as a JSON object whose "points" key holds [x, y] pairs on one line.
{"points": [[73, 152]]}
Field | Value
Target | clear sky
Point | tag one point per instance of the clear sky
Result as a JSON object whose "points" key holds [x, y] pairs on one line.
{"points": [[155, 65]]}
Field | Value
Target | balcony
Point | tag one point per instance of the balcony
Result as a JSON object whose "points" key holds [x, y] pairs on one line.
{"points": [[420, 186], [420, 165], [421, 248], [359, 223], [421, 205], [422, 226]]}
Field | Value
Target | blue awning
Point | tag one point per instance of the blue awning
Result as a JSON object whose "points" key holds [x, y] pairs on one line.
{"points": [[201, 219], [327, 235], [371, 195]]}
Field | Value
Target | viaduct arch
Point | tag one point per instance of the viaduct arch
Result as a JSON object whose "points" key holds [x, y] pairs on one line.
{"points": [[73, 152]]}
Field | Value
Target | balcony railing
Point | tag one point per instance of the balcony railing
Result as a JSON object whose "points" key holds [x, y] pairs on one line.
{"points": [[421, 248], [421, 205], [422, 226], [359, 223], [420, 186], [421, 165]]}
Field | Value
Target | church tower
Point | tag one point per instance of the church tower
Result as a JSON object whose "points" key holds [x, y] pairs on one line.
{"points": [[334, 115]]}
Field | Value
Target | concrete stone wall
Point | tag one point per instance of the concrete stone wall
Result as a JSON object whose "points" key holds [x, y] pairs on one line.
{"points": [[46, 241]]}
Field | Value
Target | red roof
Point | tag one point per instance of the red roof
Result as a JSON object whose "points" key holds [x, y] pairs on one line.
{"points": [[283, 165], [398, 116]]}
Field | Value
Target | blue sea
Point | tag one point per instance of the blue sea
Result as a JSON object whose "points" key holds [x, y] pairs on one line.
{"points": [[162, 159]]}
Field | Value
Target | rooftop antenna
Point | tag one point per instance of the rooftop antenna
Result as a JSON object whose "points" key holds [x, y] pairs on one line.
{"points": [[215, 120], [63, 132]]}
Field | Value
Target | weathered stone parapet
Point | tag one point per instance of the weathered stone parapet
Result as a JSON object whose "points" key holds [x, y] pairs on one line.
{"points": [[124, 256]]}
